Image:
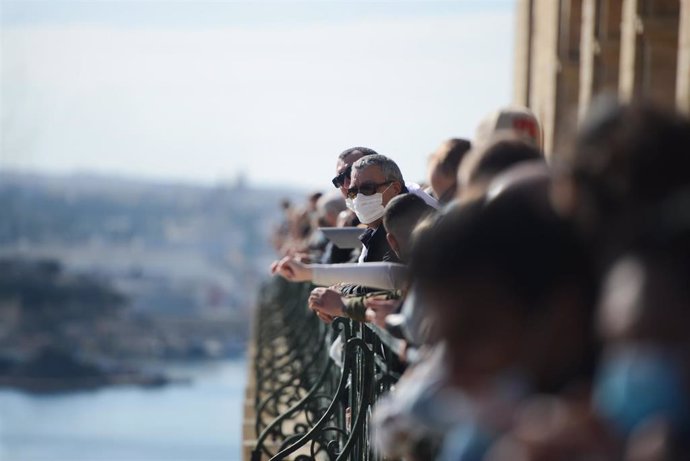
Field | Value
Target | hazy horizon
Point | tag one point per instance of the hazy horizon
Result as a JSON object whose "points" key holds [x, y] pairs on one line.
{"points": [[205, 92]]}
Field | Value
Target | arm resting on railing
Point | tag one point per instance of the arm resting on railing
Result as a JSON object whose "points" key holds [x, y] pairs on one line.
{"points": [[381, 275]]}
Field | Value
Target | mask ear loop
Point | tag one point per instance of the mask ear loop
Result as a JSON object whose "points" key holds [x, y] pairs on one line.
{"points": [[384, 191]]}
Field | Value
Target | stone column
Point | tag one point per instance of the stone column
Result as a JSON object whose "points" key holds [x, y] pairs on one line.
{"points": [[544, 66], [683, 73], [599, 50], [523, 47], [649, 50]]}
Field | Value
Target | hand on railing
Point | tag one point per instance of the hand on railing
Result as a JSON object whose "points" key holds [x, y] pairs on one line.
{"points": [[292, 269], [326, 303], [378, 308]]}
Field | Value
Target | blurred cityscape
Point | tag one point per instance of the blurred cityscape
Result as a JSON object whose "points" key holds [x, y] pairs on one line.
{"points": [[101, 274]]}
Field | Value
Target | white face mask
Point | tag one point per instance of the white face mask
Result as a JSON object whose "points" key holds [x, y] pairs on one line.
{"points": [[369, 208], [349, 203]]}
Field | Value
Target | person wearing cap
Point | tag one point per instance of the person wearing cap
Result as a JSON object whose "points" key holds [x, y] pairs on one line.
{"points": [[514, 121]]}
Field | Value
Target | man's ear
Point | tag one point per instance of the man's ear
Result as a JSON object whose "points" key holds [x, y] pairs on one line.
{"points": [[398, 187]]}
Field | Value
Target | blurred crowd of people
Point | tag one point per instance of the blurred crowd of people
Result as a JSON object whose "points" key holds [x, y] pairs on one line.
{"points": [[543, 301]]}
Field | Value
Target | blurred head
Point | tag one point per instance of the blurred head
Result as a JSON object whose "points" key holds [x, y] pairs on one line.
{"points": [[645, 299], [343, 166], [531, 177], [644, 319], [402, 214], [518, 122], [443, 168], [483, 164], [329, 207], [624, 160], [509, 289], [312, 200], [375, 180]]}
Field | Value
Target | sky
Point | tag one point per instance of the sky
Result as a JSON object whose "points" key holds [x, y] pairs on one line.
{"points": [[205, 91]]}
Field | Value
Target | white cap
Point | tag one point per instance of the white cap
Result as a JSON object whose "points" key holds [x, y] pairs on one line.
{"points": [[517, 120]]}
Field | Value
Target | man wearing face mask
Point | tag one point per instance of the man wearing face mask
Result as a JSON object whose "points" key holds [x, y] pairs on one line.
{"points": [[375, 180], [343, 169]]}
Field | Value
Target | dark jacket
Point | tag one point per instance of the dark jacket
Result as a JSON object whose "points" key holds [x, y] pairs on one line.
{"points": [[377, 250], [377, 246], [335, 255]]}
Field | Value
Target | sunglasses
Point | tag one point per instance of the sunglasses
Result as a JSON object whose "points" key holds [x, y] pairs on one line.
{"points": [[339, 180], [365, 189]]}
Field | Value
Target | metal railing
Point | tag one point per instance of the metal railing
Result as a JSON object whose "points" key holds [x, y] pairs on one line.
{"points": [[307, 406]]}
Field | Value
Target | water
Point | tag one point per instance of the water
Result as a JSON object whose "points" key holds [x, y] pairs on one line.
{"points": [[198, 421]]}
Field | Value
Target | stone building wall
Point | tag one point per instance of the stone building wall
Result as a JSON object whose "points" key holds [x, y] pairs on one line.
{"points": [[570, 51]]}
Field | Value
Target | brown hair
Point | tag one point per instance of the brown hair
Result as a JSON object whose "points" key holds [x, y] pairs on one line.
{"points": [[448, 156], [485, 163]]}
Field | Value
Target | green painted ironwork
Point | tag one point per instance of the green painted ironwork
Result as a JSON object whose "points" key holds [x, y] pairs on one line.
{"points": [[307, 406]]}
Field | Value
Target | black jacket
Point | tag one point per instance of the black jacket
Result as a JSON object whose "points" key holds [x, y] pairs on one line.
{"points": [[377, 246], [378, 250]]}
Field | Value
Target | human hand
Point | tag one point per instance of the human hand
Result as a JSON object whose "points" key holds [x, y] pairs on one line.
{"points": [[325, 318], [292, 270], [378, 309], [326, 301]]}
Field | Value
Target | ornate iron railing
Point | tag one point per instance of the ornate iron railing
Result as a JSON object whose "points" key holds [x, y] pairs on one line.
{"points": [[307, 406]]}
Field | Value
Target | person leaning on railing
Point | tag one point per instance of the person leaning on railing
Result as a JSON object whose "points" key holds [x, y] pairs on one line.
{"points": [[341, 181], [401, 216], [388, 277], [375, 180], [510, 286], [408, 413]]}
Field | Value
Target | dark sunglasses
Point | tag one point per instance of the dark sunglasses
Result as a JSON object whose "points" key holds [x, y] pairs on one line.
{"points": [[365, 189], [339, 180]]}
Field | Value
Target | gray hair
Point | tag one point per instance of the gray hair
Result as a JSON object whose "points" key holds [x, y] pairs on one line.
{"points": [[331, 203], [356, 150], [389, 168]]}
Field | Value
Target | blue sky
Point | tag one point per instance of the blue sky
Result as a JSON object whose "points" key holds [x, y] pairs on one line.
{"points": [[201, 91]]}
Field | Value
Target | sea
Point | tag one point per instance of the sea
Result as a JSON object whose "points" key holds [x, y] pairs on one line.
{"points": [[198, 418]]}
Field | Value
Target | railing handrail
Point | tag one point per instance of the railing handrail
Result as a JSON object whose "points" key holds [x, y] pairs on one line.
{"points": [[307, 406]]}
